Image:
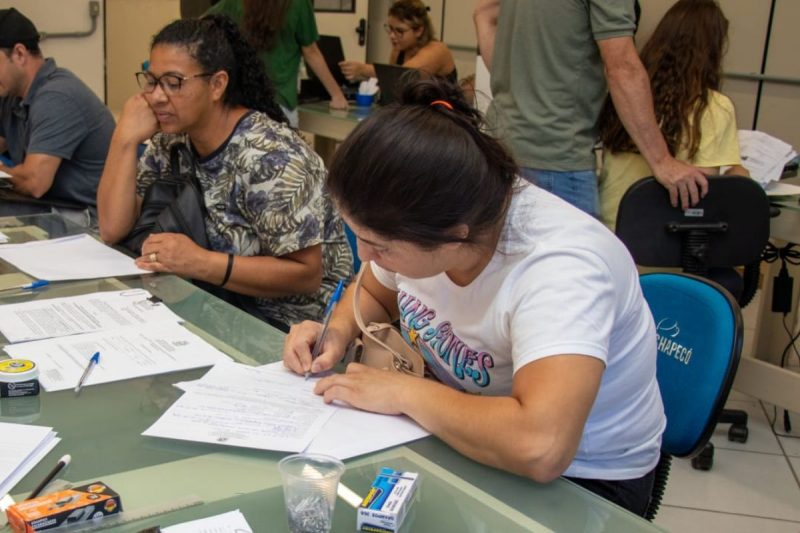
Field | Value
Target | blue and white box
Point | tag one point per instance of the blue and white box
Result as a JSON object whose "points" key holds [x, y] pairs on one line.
{"points": [[384, 507]]}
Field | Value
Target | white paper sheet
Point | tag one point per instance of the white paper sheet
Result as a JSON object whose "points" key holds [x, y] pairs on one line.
{"points": [[23, 446], [779, 188], [231, 522], [129, 352], [3, 238], [764, 156], [347, 433], [267, 408], [67, 258], [58, 317]]}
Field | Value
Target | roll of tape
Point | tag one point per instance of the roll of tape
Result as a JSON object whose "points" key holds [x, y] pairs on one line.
{"points": [[17, 370]]}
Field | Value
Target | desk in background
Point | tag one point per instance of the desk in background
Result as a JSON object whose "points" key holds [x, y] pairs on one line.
{"points": [[329, 126], [102, 428]]}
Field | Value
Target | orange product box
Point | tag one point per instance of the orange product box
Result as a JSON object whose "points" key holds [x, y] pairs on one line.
{"points": [[64, 507]]}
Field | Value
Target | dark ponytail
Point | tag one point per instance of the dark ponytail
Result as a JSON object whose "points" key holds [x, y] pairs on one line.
{"points": [[216, 43], [413, 170]]}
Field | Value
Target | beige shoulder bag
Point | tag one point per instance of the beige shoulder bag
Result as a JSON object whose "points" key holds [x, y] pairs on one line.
{"points": [[382, 345]]}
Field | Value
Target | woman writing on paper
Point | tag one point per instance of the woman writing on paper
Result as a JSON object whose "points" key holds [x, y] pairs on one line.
{"points": [[276, 243], [528, 312], [413, 44], [684, 61], [282, 31]]}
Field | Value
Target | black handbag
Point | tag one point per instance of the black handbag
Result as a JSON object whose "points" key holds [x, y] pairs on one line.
{"points": [[172, 204]]}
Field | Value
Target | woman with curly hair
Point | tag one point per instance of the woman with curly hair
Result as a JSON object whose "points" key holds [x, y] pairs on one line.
{"points": [[413, 44], [683, 59], [276, 244]]}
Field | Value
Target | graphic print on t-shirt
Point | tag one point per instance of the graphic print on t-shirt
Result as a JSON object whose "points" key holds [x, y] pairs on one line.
{"points": [[450, 359]]}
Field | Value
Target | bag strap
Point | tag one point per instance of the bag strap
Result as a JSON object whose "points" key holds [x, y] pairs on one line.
{"points": [[360, 320], [175, 152]]}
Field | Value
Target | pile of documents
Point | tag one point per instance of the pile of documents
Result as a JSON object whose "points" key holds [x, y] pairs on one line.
{"points": [[271, 408], [764, 156], [23, 446], [135, 336]]}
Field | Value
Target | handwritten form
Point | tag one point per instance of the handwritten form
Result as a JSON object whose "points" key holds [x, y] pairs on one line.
{"points": [[231, 522], [266, 407], [23, 446], [128, 352], [78, 257], [271, 408], [58, 317]]}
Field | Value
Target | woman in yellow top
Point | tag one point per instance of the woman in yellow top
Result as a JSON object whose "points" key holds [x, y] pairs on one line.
{"points": [[413, 44], [683, 59]]}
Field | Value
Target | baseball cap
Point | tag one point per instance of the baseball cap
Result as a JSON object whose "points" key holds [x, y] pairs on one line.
{"points": [[16, 28]]}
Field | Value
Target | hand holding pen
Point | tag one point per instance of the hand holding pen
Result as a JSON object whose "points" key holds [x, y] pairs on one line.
{"points": [[337, 294]]}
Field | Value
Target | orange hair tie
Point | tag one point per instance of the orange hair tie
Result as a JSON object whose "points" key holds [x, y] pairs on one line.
{"points": [[444, 103]]}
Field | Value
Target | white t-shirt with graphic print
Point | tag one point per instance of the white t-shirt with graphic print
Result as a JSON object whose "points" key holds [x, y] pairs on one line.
{"points": [[559, 283]]}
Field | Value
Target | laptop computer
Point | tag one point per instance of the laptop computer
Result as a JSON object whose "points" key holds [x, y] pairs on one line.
{"points": [[391, 79], [312, 89]]}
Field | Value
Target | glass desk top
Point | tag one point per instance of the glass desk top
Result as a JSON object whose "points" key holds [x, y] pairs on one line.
{"points": [[102, 428]]}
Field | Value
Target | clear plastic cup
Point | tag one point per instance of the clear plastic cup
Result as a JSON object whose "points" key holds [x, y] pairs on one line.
{"points": [[309, 490]]}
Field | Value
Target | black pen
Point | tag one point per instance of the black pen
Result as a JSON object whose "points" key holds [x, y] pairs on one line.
{"points": [[62, 463]]}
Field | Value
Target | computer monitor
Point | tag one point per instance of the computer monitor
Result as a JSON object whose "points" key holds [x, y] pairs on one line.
{"points": [[391, 79]]}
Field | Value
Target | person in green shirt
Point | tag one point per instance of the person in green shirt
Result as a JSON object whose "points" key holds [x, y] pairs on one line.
{"points": [[283, 31]]}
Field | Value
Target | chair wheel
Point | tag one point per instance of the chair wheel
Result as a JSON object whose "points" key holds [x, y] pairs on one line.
{"points": [[738, 433], [705, 459]]}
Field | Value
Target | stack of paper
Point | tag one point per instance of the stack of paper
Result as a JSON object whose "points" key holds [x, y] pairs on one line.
{"points": [[231, 522], [79, 257], [764, 156], [22, 447], [271, 408], [134, 335]]}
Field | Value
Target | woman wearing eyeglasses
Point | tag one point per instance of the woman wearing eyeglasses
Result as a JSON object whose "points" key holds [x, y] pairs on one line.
{"points": [[413, 44], [276, 244]]}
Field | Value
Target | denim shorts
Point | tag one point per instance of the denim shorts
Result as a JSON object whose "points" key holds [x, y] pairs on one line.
{"points": [[576, 187]]}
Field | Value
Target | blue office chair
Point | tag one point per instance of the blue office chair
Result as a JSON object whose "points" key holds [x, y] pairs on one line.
{"points": [[699, 328], [726, 229], [353, 242]]}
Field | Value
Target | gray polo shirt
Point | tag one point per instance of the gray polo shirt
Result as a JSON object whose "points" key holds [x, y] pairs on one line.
{"points": [[548, 80], [62, 117]]}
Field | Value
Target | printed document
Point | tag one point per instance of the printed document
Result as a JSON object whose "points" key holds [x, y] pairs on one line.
{"points": [[68, 258], [58, 317], [271, 408], [128, 352], [764, 156], [23, 446], [231, 522]]}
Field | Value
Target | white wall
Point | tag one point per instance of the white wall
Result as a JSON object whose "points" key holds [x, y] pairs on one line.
{"points": [[83, 56]]}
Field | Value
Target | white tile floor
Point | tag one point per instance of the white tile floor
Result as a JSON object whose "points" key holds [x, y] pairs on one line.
{"points": [[752, 487]]}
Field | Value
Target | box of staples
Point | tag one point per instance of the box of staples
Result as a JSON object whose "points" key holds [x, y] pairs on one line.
{"points": [[385, 505], [71, 506]]}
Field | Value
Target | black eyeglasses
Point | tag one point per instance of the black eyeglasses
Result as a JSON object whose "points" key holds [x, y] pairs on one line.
{"points": [[394, 29], [170, 83]]}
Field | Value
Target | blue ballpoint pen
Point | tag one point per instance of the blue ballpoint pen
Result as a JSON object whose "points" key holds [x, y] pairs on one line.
{"points": [[92, 362], [326, 320], [35, 284]]}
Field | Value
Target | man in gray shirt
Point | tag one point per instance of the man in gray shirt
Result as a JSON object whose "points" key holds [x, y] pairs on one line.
{"points": [[55, 130], [551, 63]]}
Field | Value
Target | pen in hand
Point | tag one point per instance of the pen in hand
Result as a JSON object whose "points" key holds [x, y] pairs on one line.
{"points": [[62, 463], [325, 321], [92, 362]]}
